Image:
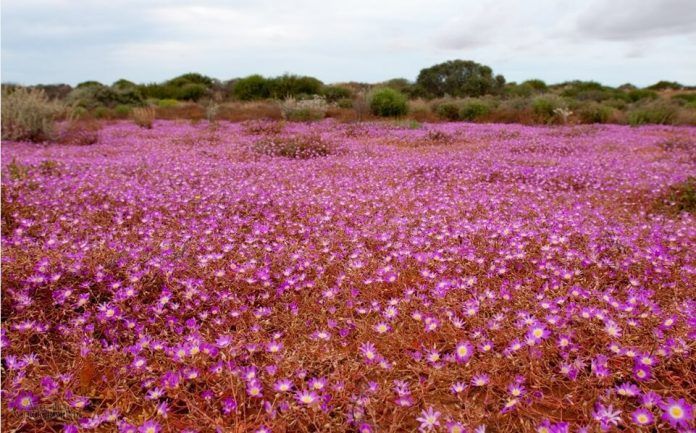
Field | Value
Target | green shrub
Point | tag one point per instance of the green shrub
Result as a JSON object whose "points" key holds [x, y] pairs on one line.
{"points": [[28, 114], [122, 111], [191, 92], [447, 110], [336, 93], [102, 113], [386, 102], [167, 103], [95, 95], [640, 94], [472, 109], [666, 85], [656, 112], [345, 103], [293, 86], [251, 88], [688, 99], [545, 107], [594, 112], [459, 78]]}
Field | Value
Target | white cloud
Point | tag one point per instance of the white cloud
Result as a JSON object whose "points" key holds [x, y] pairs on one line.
{"points": [[71, 40]]}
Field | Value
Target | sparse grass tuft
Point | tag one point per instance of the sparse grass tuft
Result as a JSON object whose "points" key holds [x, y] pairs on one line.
{"points": [[28, 115], [144, 116]]}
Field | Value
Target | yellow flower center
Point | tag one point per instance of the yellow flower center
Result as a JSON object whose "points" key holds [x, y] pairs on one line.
{"points": [[538, 333], [642, 418], [26, 402], [462, 351], [307, 399], [676, 412]]}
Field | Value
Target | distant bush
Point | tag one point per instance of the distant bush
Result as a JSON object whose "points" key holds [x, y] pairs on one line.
{"points": [[95, 95], [167, 103], [335, 93], [122, 111], [102, 113], [251, 88], [294, 86], [473, 109], [640, 94], [666, 85], [656, 112], [448, 110], [79, 132], [303, 110], [28, 114], [345, 103], [144, 116], [594, 112], [688, 99], [459, 78], [544, 107], [299, 146], [191, 92], [536, 84], [386, 102]]}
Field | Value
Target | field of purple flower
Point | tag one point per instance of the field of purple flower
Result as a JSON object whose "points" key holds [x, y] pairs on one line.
{"points": [[349, 278]]}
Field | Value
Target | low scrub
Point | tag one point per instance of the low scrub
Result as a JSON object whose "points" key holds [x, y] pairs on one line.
{"points": [[657, 112], [144, 116], [298, 146], [388, 102], [79, 132], [303, 110], [28, 115], [472, 109]]}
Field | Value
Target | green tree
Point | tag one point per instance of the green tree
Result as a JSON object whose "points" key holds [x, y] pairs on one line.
{"points": [[459, 78], [251, 87]]}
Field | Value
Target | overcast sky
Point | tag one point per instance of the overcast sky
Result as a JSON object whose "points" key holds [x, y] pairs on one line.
{"points": [[617, 41]]}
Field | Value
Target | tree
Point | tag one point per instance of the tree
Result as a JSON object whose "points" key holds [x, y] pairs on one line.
{"points": [[459, 78], [251, 87]]}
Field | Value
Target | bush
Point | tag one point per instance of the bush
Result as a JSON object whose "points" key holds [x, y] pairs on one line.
{"points": [[144, 117], [345, 103], [95, 95], [666, 85], [303, 110], [293, 86], [79, 132], [28, 114], [657, 112], [251, 88], [191, 92], [299, 146], [447, 110], [545, 108], [594, 112], [639, 94], [122, 111], [336, 94], [473, 109], [386, 102], [459, 78], [167, 103], [102, 113]]}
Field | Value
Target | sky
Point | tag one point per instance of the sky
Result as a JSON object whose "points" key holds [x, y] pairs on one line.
{"points": [[614, 42]]}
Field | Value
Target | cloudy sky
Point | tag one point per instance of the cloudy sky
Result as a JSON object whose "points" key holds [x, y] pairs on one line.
{"points": [[618, 41]]}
